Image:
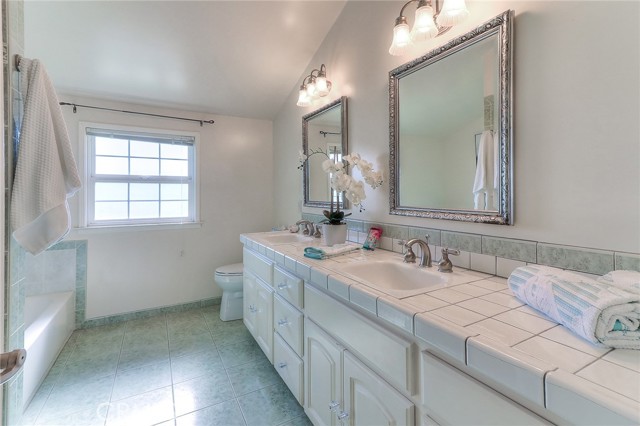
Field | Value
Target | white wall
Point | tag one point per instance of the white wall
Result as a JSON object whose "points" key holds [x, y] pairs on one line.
{"points": [[141, 269], [576, 133]]}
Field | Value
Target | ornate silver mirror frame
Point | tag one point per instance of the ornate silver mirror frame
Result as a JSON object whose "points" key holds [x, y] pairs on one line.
{"points": [[312, 122], [501, 26]]}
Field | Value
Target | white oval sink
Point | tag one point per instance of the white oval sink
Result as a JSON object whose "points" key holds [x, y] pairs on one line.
{"points": [[279, 238], [395, 278]]}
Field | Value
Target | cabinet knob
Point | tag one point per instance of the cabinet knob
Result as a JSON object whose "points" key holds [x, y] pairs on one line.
{"points": [[283, 286], [333, 406], [283, 322], [282, 365], [252, 309], [342, 415]]}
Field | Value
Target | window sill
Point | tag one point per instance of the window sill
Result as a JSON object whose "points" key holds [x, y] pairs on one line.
{"points": [[135, 228]]}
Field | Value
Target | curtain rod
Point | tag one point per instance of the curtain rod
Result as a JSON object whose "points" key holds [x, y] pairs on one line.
{"points": [[75, 107]]}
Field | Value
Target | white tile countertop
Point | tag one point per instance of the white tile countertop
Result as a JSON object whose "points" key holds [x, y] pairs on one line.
{"points": [[475, 320]]}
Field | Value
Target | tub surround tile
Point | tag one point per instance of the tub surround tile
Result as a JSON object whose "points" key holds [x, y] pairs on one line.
{"points": [[466, 242], [521, 250], [576, 259], [627, 261]]}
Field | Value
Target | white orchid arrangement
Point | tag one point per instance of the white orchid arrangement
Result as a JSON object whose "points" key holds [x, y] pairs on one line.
{"points": [[343, 182]]}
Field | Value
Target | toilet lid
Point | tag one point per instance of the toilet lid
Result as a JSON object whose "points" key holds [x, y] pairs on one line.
{"points": [[226, 270]]}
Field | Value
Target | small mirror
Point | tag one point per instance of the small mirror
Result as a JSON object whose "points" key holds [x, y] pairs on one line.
{"points": [[326, 130], [450, 129]]}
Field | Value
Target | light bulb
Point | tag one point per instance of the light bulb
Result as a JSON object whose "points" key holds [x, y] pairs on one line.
{"points": [[323, 87], [424, 27], [401, 37], [453, 12], [303, 98]]}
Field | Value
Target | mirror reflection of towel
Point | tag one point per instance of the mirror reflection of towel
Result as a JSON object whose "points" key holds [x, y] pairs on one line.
{"points": [[487, 180]]}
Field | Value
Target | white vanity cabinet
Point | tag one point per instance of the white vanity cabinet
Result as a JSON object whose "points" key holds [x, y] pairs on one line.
{"points": [[288, 330], [341, 390], [258, 300]]}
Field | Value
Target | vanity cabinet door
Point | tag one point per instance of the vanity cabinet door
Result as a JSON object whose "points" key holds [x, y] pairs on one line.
{"points": [[264, 318], [323, 367], [249, 296], [371, 401]]}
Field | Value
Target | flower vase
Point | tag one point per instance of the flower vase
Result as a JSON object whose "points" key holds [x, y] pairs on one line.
{"points": [[334, 234]]}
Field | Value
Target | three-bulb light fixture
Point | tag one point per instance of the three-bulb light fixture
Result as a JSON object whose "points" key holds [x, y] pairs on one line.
{"points": [[313, 86], [433, 17]]}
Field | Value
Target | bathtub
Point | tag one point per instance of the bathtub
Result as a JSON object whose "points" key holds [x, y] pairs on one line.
{"points": [[49, 321]]}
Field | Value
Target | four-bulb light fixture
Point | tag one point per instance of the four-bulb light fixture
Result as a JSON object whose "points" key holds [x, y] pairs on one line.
{"points": [[429, 22], [313, 86]]}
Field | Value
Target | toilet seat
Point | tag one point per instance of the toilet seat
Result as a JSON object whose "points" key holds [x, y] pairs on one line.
{"points": [[229, 270]]}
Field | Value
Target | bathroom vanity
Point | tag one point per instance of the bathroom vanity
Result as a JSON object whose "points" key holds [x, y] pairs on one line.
{"points": [[356, 348]]}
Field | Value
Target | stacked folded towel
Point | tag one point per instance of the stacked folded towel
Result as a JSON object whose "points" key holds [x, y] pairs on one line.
{"points": [[627, 280], [600, 312], [324, 252]]}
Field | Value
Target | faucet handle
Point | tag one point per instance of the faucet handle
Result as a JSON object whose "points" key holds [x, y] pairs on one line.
{"points": [[409, 256], [446, 251], [317, 233], [426, 237]]}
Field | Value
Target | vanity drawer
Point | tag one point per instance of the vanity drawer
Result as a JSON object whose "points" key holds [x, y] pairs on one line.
{"points": [[258, 265], [289, 323], [288, 286], [289, 367], [393, 357]]}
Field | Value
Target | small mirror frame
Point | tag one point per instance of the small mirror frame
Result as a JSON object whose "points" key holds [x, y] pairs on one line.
{"points": [[305, 147], [501, 25]]}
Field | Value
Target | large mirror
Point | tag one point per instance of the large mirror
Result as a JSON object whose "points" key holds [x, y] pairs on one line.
{"points": [[323, 130], [450, 129]]}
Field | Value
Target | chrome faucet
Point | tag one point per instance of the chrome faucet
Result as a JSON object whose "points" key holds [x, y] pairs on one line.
{"points": [[445, 264], [310, 228], [425, 257]]}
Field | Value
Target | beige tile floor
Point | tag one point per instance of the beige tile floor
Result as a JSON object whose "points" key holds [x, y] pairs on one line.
{"points": [[185, 368]]}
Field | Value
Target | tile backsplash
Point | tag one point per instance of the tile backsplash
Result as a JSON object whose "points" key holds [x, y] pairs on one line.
{"points": [[495, 254]]}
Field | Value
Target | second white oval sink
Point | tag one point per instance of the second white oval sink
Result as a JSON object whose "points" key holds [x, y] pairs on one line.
{"points": [[395, 278]]}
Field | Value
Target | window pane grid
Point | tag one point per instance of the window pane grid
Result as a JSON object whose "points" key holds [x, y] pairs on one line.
{"points": [[140, 181]]}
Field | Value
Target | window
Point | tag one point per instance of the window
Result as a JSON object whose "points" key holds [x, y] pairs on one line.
{"points": [[139, 178]]}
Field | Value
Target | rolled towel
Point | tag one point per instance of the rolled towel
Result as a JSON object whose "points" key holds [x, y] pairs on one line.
{"points": [[627, 280], [601, 313], [325, 252]]}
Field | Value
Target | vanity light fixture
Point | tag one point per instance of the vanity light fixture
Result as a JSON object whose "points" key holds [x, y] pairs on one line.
{"points": [[313, 86], [433, 17]]}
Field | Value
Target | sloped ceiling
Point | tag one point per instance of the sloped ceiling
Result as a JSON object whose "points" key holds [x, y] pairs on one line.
{"points": [[239, 58]]}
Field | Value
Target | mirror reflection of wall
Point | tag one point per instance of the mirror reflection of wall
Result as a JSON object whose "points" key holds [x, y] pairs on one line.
{"points": [[324, 129]]}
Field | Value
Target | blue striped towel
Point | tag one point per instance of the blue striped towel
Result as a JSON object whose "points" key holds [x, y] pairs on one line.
{"points": [[598, 312]]}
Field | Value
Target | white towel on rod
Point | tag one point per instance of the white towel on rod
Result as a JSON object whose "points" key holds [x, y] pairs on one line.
{"points": [[46, 173], [487, 179]]}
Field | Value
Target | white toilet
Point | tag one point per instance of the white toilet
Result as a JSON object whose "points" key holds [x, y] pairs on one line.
{"points": [[229, 279]]}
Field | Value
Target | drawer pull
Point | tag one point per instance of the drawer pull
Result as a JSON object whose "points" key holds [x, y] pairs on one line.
{"points": [[333, 406], [282, 365], [283, 287], [284, 322], [342, 415]]}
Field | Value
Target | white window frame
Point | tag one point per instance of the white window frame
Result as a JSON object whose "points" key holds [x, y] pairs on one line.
{"points": [[87, 203]]}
